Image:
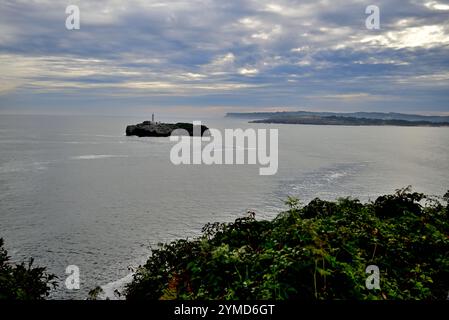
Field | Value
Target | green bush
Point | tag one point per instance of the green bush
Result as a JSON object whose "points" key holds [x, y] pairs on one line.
{"points": [[319, 251], [23, 281]]}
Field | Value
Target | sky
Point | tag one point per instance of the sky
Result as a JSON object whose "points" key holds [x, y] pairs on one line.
{"points": [[216, 56]]}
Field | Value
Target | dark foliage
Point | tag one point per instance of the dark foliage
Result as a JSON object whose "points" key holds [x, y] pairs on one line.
{"points": [[23, 281], [319, 251]]}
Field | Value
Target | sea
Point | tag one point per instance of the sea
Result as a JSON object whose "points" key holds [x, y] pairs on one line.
{"points": [[75, 191]]}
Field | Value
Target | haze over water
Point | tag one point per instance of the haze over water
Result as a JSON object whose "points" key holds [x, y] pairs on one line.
{"points": [[75, 191]]}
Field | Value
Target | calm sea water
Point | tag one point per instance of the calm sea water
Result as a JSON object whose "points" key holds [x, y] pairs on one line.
{"points": [[75, 191]]}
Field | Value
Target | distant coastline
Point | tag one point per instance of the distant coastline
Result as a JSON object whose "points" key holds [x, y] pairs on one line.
{"points": [[344, 119]]}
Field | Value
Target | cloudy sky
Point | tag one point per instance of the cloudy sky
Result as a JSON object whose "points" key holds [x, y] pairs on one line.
{"points": [[215, 56]]}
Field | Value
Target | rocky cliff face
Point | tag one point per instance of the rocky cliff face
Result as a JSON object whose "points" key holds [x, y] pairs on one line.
{"points": [[151, 129]]}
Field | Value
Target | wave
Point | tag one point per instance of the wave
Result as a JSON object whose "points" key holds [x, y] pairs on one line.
{"points": [[97, 156], [91, 135], [323, 182], [34, 141], [336, 175], [110, 288], [79, 142], [12, 167]]}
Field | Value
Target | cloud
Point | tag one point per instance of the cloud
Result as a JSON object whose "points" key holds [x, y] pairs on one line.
{"points": [[209, 52], [414, 37], [437, 6], [248, 71], [359, 96]]}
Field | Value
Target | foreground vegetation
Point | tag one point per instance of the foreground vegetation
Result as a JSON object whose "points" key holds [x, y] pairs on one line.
{"points": [[317, 251], [23, 281]]}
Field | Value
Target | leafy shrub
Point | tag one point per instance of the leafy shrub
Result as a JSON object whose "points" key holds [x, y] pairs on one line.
{"points": [[319, 251], [23, 281]]}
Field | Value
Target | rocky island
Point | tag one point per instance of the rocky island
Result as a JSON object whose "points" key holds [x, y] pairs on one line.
{"points": [[159, 129]]}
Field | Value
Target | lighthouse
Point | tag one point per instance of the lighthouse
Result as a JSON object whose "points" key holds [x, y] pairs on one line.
{"points": [[152, 118]]}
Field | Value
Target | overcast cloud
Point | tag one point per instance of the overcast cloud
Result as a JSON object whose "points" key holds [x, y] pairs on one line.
{"points": [[219, 56]]}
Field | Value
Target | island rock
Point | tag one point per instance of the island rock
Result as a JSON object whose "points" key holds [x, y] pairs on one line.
{"points": [[159, 129]]}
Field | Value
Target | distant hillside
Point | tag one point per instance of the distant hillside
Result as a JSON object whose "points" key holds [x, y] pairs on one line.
{"points": [[359, 115], [349, 121]]}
